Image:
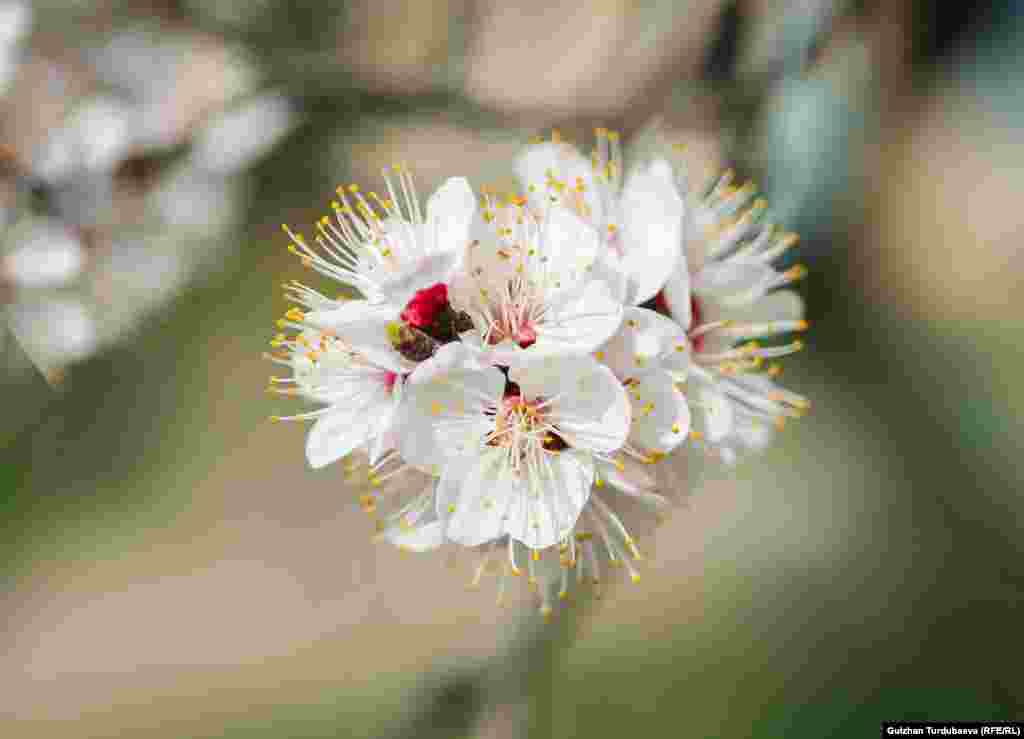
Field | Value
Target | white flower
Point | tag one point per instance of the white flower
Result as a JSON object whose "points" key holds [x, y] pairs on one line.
{"points": [[400, 499], [384, 247], [396, 258], [45, 255], [639, 220], [528, 283], [650, 356], [499, 387], [728, 303], [516, 456], [360, 392], [53, 331]]}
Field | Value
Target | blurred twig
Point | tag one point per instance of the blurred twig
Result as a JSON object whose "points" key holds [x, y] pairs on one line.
{"points": [[518, 682]]}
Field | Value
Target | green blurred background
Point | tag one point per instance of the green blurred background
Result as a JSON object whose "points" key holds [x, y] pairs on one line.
{"points": [[173, 569]]}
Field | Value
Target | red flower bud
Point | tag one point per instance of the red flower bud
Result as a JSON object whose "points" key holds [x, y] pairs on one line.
{"points": [[421, 311]]}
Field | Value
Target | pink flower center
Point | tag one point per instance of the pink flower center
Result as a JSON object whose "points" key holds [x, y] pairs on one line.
{"points": [[422, 310], [390, 379], [525, 336]]}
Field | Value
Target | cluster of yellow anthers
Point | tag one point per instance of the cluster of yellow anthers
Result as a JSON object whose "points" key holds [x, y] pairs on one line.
{"points": [[356, 235]]}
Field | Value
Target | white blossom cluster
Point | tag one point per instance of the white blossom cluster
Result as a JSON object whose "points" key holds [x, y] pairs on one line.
{"points": [[518, 370], [121, 180]]}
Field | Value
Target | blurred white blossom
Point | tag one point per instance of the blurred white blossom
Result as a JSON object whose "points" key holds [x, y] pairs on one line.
{"points": [[124, 181]]}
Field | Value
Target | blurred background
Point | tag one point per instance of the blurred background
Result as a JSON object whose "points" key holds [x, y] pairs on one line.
{"points": [[173, 569]]}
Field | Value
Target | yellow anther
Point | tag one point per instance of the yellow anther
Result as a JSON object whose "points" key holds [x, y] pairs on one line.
{"points": [[796, 272], [612, 228], [556, 135], [675, 428], [599, 355], [632, 323], [802, 325], [536, 555], [613, 135], [353, 188], [696, 435], [436, 408], [451, 508]]}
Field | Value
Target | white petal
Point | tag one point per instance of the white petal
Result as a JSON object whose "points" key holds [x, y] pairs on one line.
{"points": [[474, 494], [46, 256], [633, 478], [588, 404], [651, 235], [54, 332], [364, 325], [450, 212], [538, 510], [570, 246], [609, 269], [489, 261], [579, 320], [385, 438], [419, 537], [567, 165], [717, 412], [661, 417], [348, 427], [645, 341], [754, 433], [418, 273], [781, 305], [421, 529], [662, 169], [238, 137], [732, 280], [550, 506], [444, 416]]}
